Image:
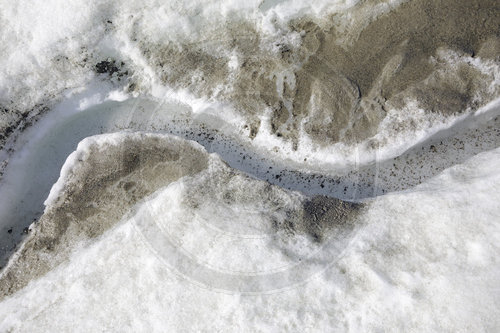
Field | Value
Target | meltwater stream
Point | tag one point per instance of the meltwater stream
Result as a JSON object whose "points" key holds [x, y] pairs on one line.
{"points": [[36, 164]]}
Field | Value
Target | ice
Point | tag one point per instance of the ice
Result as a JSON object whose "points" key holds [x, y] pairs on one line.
{"points": [[47, 57], [413, 252], [43, 149]]}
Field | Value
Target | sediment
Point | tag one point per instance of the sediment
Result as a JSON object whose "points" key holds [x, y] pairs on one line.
{"points": [[109, 178], [338, 85]]}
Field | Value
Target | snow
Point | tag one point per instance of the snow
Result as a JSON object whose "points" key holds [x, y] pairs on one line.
{"points": [[424, 259]]}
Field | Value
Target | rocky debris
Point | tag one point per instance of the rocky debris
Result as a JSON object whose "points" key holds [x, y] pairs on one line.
{"points": [[106, 67], [13, 121], [113, 68]]}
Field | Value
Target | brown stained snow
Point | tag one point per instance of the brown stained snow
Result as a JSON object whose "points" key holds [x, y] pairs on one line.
{"points": [[340, 87]]}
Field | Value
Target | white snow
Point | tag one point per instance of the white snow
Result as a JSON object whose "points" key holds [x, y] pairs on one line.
{"points": [[44, 45], [425, 260]]}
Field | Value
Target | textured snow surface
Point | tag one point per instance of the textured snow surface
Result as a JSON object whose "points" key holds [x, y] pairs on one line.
{"points": [[424, 259]]}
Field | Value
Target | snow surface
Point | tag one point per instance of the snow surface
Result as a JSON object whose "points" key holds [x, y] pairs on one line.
{"points": [[49, 51], [425, 259]]}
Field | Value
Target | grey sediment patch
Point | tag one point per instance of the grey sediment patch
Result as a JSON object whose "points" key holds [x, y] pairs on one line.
{"points": [[340, 88], [102, 188], [391, 60], [320, 216], [110, 177]]}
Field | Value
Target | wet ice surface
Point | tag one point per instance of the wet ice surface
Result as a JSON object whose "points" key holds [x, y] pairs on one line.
{"points": [[31, 174]]}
